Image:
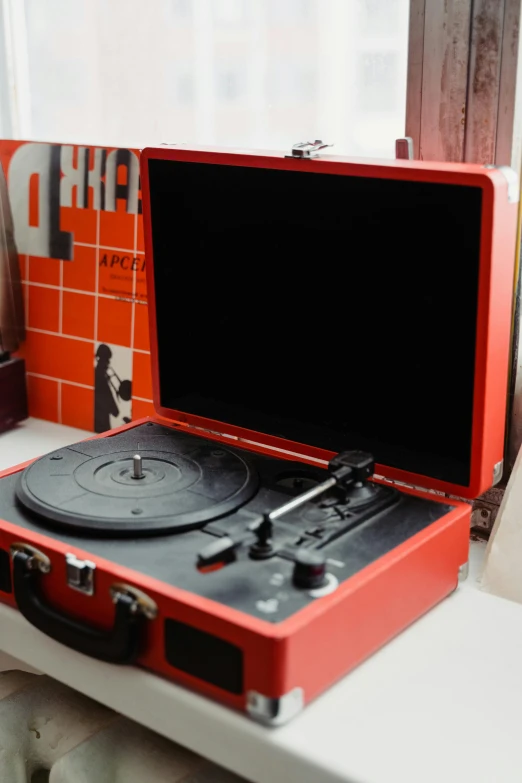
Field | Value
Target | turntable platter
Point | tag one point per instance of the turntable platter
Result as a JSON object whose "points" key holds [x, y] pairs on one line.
{"points": [[176, 484]]}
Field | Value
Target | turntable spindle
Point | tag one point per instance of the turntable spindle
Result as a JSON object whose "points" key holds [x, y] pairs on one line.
{"points": [[138, 467]]}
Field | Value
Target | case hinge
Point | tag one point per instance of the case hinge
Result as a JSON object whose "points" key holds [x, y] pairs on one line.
{"points": [[410, 486]]}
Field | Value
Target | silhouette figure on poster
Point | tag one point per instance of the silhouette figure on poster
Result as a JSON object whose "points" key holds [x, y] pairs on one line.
{"points": [[108, 390]]}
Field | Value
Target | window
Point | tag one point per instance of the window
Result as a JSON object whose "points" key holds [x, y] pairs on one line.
{"points": [[181, 93], [231, 83], [182, 8], [258, 73], [290, 12], [291, 82], [230, 12], [380, 17], [378, 82]]}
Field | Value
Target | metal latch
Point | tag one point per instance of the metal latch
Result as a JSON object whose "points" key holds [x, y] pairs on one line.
{"points": [[80, 574], [308, 149]]}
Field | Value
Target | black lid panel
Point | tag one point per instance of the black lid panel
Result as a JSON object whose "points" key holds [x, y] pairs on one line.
{"points": [[335, 311]]}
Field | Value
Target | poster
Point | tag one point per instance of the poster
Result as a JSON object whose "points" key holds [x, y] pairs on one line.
{"points": [[79, 234]]}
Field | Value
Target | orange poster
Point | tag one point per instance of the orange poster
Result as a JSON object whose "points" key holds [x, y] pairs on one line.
{"points": [[79, 236]]}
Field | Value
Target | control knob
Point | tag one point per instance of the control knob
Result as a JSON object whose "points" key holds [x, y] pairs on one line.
{"points": [[309, 569]]}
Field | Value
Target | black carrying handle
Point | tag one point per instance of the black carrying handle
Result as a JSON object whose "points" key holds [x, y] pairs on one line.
{"points": [[119, 645]]}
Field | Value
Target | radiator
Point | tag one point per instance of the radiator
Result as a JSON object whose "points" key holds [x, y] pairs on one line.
{"points": [[51, 734]]}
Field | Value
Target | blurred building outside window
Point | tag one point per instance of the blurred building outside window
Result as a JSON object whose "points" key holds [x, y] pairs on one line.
{"points": [[247, 73]]}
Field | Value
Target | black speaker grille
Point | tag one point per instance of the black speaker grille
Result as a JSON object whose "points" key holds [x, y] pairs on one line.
{"points": [[5, 572], [204, 656]]}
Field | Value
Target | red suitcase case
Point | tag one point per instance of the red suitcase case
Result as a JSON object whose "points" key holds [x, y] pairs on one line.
{"points": [[298, 306]]}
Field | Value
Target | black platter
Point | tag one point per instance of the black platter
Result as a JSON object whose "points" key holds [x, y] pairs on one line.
{"points": [[180, 483]]}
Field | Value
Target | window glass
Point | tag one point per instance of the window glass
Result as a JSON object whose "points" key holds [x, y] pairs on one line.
{"points": [[248, 73]]}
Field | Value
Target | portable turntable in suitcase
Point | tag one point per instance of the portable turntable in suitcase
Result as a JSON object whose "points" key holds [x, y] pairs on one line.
{"points": [[308, 316]]}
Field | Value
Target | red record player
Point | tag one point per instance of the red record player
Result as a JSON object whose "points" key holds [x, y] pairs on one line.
{"points": [[314, 321]]}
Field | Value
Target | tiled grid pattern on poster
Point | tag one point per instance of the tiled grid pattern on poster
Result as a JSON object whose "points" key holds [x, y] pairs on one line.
{"points": [[68, 312]]}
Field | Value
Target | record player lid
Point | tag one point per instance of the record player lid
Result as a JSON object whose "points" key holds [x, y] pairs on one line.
{"points": [[326, 304]]}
